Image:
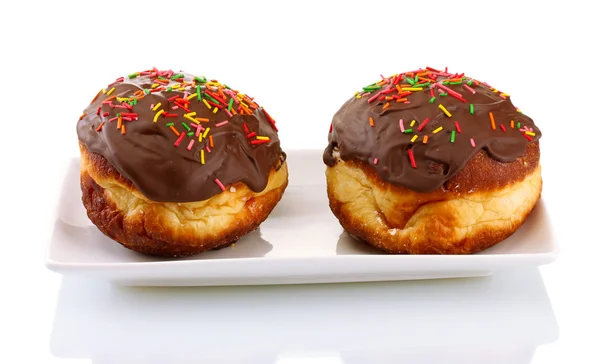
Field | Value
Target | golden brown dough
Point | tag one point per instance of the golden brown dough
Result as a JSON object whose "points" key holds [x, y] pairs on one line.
{"points": [[121, 212], [482, 205]]}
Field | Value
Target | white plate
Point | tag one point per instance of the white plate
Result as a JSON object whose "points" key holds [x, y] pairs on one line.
{"points": [[301, 242]]}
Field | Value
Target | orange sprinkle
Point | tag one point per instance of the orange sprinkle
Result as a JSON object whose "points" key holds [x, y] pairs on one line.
{"points": [[122, 129], [111, 98], [455, 80], [389, 98], [398, 88], [387, 104], [100, 126], [426, 79], [371, 122], [119, 122], [174, 130], [512, 124], [82, 116], [138, 93], [210, 140], [425, 138], [492, 121], [202, 119], [96, 97], [409, 74], [401, 100]]}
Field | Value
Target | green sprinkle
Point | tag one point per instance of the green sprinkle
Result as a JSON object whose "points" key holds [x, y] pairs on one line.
{"points": [[431, 100], [133, 75], [407, 131], [162, 78], [423, 84], [190, 133], [227, 87], [211, 99], [518, 125], [119, 115], [416, 78], [179, 75], [200, 79], [455, 83], [135, 101], [410, 80], [444, 94], [146, 91], [230, 104], [470, 82], [186, 126], [371, 88], [452, 136], [199, 92], [170, 124], [169, 89], [472, 109]]}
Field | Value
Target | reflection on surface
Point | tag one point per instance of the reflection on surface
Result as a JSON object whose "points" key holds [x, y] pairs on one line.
{"points": [[350, 245], [499, 319]]}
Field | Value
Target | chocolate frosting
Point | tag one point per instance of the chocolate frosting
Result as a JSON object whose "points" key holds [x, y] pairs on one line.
{"points": [[166, 167], [381, 143]]}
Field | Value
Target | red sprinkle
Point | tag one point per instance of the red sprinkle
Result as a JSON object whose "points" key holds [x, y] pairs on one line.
{"points": [[330, 127], [457, 127], [105, 114], [423, 124], [98, 111], [527, 136], [220, 184], [376, 160], [254, 142], [251, 135], [503, 128], [246, 128], [412, 158], [178, 141]]}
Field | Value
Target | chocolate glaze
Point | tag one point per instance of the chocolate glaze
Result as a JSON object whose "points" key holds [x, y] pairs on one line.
{"points": [[438, 160], [146, 154]]}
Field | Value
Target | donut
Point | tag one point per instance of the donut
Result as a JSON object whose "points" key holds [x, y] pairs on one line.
{"points": [[174, 164], [432, 162]]}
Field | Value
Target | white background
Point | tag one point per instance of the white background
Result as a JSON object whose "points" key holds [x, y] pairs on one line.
{"points": [[300, 60]]}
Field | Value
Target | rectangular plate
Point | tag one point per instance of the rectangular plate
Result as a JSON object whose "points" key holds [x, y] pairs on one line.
{"points": [[300, 242]]}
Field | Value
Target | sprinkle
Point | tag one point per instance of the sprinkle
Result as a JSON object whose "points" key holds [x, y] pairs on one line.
{"points": [[254, 142], [98, 111], [158, 114], [100, 126], [205, 132], [441, 107], [452, 136], [206, 103], [530, 133], [263, 138], [412, 89], [222, 123], [110, 92], [230, 104], [179, 75], [82, 116], [201, 120], [376, 160], [425, 139], [170, 124], [437, 130], [470, 89], [423, 124], [251, 135], [412, 123], [512, 124], [186, 126], [207, 149], [387, 104], [174, 130], [472, 142], [105, 114], [411, 157], [457, 126], [215, 110], [414, 138], [122, 129], [408, 131], [519, 125], [401, 122], [190, 118], [432, 100], [220, 184], [472, 109], [503, 128], [202, 156], [371, 121], [492, 121], [191, 96], [178, 141], [210, 141], [527, 136], [189, 147]]}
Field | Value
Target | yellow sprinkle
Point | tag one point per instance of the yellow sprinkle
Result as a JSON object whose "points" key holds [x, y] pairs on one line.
{"points": [[154, 85], [359, 97], [103, 91], [412, 123], [158, 114], [246, 106], [156, 106], [110, 92], [193, 113], [530, 133], [192, 95], [263, 138], [412, 88], [444, 110], [215, 110], [187, 116], [504, 94], [121, 99], [495, 91], [437, 130], [206, 103], [202, 156], [199, 137], [205, 132], [414, 138]]}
